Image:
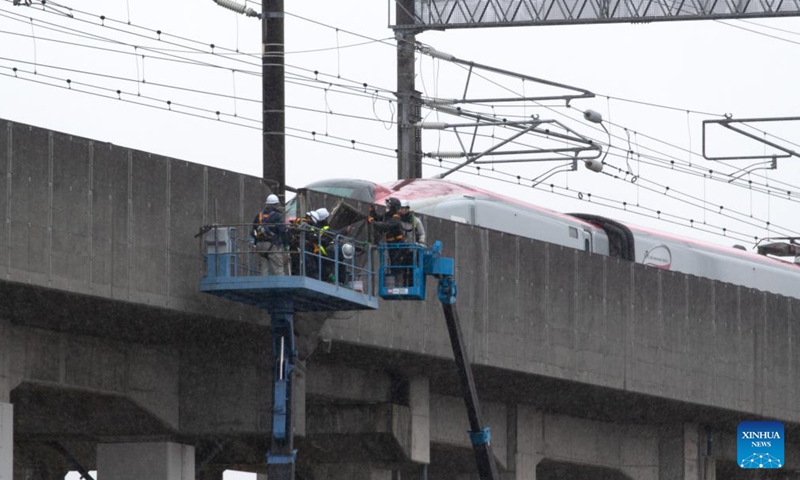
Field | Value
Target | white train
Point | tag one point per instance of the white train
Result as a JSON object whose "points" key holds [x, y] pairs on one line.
{"points": [[473, 206]]}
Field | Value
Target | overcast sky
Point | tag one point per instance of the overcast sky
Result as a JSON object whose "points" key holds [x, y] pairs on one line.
{"points": [[701, 70]]}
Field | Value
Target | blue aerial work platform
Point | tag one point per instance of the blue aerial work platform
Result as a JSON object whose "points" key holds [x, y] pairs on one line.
{"points": [[337, 282], [404, 268], [324, 272]]}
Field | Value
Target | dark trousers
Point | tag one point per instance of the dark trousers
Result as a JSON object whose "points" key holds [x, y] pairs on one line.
{"points": [[402, 263]]}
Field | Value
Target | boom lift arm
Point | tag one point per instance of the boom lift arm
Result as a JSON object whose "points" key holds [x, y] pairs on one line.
{"points": [[429, 262]]}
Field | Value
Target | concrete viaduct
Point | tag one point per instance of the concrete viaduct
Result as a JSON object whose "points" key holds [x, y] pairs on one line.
{"points": [[588, 367]]}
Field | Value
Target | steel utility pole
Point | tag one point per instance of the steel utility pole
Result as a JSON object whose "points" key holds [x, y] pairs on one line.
{"points": [[409, 146], [281, 457], [274, 98]]}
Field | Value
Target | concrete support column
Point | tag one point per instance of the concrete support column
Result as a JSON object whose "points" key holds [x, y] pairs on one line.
{"points": [[6, 440], [419, 403], [682, 454], [525, 443], [350, 471], [6, 408], [153, 461]]}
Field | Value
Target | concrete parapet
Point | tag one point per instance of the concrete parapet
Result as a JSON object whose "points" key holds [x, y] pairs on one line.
{"points": [[153, 461]]}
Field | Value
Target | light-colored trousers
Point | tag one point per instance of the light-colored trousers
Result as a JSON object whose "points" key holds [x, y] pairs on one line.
{"points": [[273, 260]]}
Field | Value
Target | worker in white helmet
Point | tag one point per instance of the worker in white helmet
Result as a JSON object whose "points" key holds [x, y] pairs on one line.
{"points": [[269, 237], [413, 232], [413, 229], [310, 235]]}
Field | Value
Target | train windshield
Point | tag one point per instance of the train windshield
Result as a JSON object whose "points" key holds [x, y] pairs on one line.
{"points": [[361, 190]]}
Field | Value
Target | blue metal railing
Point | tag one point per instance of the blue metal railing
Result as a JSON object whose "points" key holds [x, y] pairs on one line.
{"points": [[401, 275], [230, 251]]}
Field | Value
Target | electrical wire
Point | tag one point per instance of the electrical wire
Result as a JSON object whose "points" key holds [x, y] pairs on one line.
{"points": [[693, 200], [390, 153], [774, 37], [323, 112], [619, 205], [161, 104]]}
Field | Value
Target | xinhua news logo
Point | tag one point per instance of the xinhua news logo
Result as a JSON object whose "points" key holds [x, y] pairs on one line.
{"points": [[760, 445]]}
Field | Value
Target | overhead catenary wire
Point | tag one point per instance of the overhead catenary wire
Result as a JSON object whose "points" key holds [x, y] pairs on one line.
{"points": [[358, 146], [694, 201], [68, 30], [198, 63], [156, 57], [672, 162], [211, 112], [477, 74], [205, 52], [615, 204]]}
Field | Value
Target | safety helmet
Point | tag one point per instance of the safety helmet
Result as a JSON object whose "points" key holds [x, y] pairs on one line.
{"points": [[313, 216], [272, 199], [404, 204], [322, 214], [392, 202], [348, 250]]}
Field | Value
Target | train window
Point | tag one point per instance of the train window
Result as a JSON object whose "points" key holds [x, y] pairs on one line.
{"points": [[586, 244], [573, 232]]}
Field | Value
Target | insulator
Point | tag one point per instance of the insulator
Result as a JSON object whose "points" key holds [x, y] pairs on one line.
{"points": [[444, 109], [592, 116], [447, 154], [440, 101], [237, 7], [436, 53], [432, 125], [593, 165]]}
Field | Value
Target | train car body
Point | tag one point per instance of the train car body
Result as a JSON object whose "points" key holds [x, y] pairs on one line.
{"points": [[727, 264], [597, 234]]}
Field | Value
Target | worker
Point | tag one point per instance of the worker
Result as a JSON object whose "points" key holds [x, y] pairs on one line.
{"points": [[391, 227], [322, 218], [388, 224], [310, 235], [269, 237], [413, 230]]}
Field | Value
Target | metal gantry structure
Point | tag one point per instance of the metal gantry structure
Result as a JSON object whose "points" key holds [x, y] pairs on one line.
{"points": [[441, 14]]}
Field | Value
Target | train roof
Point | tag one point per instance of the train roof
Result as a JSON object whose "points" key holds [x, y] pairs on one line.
{"points": [[417, 190], [420, 189]]}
